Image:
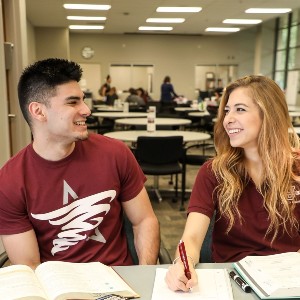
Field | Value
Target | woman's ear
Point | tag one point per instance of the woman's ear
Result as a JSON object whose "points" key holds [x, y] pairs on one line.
{"points": [[36, 111]]}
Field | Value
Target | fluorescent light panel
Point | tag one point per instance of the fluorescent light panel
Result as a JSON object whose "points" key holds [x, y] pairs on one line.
{"points": [[242, 21], [82, 18], [165, 20], [267, 10], [222, 29], [152, 28], [84, 27], [87, 6], [178, 9]]}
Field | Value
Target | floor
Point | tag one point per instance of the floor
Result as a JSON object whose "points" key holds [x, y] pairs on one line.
{"points": [[171, 218]]}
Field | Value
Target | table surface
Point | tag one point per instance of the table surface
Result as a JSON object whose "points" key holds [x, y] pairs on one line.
{"points": [[199, 114], [117, 115], [132, 135], [158, 121], [141, 279], [294, 113], [186, 109]]}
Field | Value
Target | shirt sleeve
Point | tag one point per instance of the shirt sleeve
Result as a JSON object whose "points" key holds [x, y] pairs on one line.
{"points": [[133, 178], [203, 196]]}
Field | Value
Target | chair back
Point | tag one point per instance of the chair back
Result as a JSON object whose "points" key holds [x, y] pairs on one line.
{"points": [[159, 150]]}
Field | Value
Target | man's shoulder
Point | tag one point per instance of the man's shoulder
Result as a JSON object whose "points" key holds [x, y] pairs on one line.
{"points": [[18, 158]]}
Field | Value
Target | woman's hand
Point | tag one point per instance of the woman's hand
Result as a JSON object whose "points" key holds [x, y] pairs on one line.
{"points": [[176, 279]]}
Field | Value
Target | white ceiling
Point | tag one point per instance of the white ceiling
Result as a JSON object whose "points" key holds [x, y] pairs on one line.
{"points": [[126, 16]]}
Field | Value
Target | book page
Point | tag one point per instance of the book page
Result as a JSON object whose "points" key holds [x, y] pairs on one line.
{"points": [[272, 272], [79, 279], [213, 284], [20, 282]]}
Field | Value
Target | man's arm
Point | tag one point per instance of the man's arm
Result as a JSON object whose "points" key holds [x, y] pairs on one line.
{"points": [[22, 248], [145, 227]]}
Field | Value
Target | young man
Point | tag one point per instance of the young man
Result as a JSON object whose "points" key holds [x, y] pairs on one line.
{"points": [[63, 196]]}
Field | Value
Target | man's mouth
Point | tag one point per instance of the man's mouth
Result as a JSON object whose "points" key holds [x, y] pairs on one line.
{"points": [[80, 123]]}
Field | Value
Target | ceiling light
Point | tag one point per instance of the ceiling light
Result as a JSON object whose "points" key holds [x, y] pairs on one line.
{"points": [[82, 18], [81, 27], [87, 6], [155, 28], [267, 10], [178, 9], [242, 21], [222, 29], [165, 20]]}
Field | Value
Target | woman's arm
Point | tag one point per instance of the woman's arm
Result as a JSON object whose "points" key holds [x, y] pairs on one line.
{"points": [[193, 236]]}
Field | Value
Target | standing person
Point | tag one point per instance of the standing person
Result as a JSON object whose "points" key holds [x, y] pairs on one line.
{"points": [[252, 185], [63, 196], [105, 88], [167, 92]]}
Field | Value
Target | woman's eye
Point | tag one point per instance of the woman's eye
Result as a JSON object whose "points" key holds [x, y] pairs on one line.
{"points": [[226, 111], [240, 109]]}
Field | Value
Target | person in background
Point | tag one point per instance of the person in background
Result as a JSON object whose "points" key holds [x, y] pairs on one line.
{"points": [[134, 98], [105, 88], [252, 185], [112, 96], [143, 94], [167, 92], [63, 197]]}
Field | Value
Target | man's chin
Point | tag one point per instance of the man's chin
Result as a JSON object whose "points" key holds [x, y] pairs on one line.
{"points": [[82, 137]]}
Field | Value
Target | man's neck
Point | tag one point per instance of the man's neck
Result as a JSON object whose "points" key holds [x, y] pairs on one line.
{"points": [[53, 152]]}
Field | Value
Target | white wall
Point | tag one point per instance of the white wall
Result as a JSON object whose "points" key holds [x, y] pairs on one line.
{"points": [[175, 56]]}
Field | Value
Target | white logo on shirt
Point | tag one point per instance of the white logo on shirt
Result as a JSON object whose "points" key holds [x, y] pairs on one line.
{"points": [[76, 218]]}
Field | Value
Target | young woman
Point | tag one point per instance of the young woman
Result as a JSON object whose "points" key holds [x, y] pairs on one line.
{"points": [[252, 185]]}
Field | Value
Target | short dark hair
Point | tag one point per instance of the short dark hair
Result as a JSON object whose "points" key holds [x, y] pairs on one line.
{"points": [[38, 81]]}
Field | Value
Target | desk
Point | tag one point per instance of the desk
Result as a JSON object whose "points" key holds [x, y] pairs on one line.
{"points": [[158, 121], [118, 115], [141, 279], [185, 109], [199, 114], [132, 135], [293, 108], [108, 108]]}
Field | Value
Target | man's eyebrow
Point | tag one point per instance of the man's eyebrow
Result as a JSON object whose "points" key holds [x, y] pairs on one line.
{"points": [[73, 98]]}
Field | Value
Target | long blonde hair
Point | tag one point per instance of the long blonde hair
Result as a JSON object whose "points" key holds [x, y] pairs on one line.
{"points": [[277, 146]]}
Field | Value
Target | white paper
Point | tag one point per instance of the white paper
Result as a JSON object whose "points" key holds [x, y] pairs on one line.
{"points": [[213, 284]]}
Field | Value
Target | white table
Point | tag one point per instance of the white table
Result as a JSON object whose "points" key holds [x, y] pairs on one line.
{"points": [[132, 135], [158, 121], [293, 108], [184, 109], [141, 279], [108, 108], [199, 114], [118, 115]]}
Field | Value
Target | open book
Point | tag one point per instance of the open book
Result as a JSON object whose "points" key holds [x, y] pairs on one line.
{"points": [[213, 284], [62, 280], [273, 276]]}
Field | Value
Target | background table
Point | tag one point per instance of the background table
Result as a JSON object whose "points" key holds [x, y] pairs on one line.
{"points": [[199, 114], [141, 279], [158, 121], [118, 115], [132, 135]]}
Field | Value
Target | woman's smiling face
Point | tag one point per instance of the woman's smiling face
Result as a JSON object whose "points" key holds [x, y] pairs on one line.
{"points": [[242, 120]]}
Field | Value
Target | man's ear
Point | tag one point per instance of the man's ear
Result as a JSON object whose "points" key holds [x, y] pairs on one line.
{"points": [[36, 110]]}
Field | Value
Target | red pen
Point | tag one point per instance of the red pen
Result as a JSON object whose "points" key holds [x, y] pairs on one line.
{"points": [[184, 259]]}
